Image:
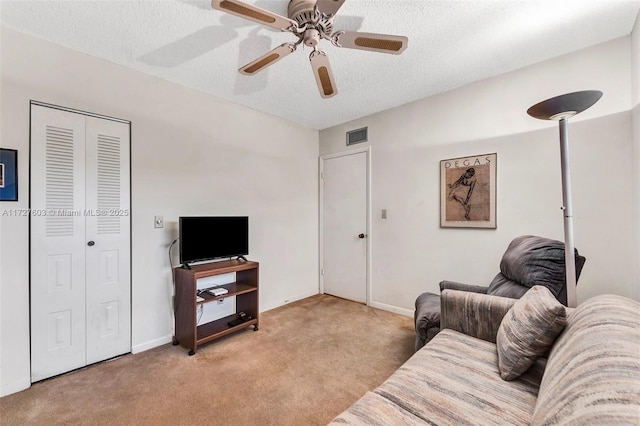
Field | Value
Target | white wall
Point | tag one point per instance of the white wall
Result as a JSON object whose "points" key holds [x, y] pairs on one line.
{"points": [[635, 62], [411, 253], [192, 154]]}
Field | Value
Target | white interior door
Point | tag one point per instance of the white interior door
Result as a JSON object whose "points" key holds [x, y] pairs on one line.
{"points": [[108, 284], [80, 241], [344, 226], [58, 329]]}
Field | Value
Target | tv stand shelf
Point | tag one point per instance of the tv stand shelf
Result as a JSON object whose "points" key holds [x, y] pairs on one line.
{"points": [[233, 288], [188, 333]]}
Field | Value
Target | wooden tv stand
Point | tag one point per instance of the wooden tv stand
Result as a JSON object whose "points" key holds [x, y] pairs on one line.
{"points": [[188, 333]]}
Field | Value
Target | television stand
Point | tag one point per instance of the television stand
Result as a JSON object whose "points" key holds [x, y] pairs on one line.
{"points": [[191, 335]]}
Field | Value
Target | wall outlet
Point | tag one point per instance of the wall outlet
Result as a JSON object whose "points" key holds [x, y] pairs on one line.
{"points": [[158, 222], [384, 213]]}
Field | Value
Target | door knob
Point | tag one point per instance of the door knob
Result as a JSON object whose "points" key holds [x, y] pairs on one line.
{"points": [[361, 235], [91, 243]]}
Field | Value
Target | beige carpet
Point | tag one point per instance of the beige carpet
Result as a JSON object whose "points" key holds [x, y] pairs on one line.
{"points": [[308, 362]]}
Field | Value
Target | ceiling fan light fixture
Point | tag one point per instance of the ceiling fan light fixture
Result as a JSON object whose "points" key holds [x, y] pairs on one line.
{"points": [[311, 37]]}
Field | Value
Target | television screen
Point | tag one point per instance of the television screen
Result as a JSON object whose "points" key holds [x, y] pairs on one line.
{"points": [[211, 237]]}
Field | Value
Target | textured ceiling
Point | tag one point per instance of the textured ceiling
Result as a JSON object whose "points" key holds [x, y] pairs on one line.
{"points": [[451, 43]]}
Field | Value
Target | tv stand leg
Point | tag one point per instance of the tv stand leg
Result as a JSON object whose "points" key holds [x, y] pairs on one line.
{"points": [[192, 352], [244, 259]]}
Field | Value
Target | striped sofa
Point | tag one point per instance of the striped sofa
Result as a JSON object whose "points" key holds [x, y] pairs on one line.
{"points": [[591, 374]]}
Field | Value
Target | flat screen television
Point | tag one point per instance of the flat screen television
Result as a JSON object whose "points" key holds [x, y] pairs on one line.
{"points": [[212, 237]]}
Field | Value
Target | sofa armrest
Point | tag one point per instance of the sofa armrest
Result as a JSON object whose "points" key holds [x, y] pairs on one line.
{"points": [[452, 285], [474, 314]]}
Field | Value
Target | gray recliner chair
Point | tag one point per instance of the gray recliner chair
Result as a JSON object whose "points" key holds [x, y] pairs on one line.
{"points": [[528, 261]]}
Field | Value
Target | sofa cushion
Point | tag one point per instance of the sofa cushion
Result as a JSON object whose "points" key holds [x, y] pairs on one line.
{"points": [[373, 409], [454, 380], [528, 330], [593, 371]]}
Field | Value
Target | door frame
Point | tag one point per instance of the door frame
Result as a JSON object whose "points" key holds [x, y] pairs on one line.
{"points": [[32, 103], [322, 159]]}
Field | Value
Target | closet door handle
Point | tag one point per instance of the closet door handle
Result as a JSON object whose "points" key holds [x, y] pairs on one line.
{"points": [[91, 243]]}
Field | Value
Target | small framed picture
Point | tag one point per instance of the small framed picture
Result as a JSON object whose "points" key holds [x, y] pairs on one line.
{"points": [[8, 174], [468, 192]]}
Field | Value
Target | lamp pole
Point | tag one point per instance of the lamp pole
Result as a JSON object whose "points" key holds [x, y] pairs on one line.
{"points": [[567, 212], [561, 108]]}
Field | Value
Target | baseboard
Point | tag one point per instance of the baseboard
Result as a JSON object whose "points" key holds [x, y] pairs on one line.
{"points": [[391, 308], [287, 301], [14, 387], [151, 344]]}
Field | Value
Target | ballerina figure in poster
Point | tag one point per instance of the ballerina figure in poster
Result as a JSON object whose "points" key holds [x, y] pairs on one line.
{"points": [[462, 189]]}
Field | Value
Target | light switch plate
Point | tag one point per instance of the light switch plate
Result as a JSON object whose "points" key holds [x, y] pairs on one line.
{"points": [[158, 222], [384, 213]]}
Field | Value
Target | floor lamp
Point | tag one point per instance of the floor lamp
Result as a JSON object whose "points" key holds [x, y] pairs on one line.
{"points": [[561, 108]]}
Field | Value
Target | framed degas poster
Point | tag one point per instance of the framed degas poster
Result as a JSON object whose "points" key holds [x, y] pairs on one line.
{"points": [[468, 192], [8, 175]]}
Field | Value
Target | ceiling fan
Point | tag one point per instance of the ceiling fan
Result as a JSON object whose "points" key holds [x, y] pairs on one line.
{"points": [[310, 21]]}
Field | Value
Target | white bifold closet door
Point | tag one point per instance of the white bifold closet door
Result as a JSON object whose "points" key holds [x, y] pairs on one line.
{"points": [[80, 240]]}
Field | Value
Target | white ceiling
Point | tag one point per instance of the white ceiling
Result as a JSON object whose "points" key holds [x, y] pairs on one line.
{"points": [[451, 44]]}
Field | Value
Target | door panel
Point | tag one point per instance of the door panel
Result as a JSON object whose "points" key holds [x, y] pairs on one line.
{"points": [[59, 273], [108, 225], [59, 330], [344, 219], [57, 241]]}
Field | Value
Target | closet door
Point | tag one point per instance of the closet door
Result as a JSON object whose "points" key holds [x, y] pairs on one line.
{"points": [[107, 234], [58, 328], [80, 240]]}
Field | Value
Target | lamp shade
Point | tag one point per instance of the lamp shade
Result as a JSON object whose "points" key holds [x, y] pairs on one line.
{"points": [[564, 106]]}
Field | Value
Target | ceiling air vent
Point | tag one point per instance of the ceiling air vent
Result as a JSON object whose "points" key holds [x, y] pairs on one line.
{"points": [[357, 136]]}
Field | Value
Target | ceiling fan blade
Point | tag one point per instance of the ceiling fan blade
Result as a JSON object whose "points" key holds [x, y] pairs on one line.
{"points": [[254, 13], [322, 72], [267, 59], [383, 43], [329, 7]]}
